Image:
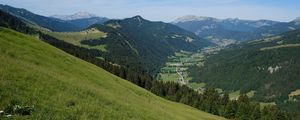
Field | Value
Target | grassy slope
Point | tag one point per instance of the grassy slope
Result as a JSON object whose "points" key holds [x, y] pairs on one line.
{"points": [[38, 74], [76, 37]]}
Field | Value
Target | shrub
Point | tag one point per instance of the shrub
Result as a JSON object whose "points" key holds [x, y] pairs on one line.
{"points": [[16, 108]]}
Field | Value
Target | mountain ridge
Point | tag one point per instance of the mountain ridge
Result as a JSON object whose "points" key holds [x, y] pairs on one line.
{"points": [[222, 31], [191, 18], [75, 16], [51, 23]]}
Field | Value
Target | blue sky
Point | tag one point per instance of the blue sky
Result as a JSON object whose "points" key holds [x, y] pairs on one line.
{"points": [[167, 10]]}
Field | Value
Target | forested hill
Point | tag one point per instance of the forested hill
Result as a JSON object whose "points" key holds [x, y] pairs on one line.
{"points": [[10, 21], [269, 66], [158, 34]]}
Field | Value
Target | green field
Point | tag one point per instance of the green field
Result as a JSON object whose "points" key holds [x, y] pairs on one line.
{"points": [[197, 86], [251, 93], [280, 46], [76, 37], [263, 104], [295, 93], [61, 86], [235, 94], [171, 77]]}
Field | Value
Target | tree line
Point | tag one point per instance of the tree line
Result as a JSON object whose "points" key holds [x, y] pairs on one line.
{"points": [[209, 101]]}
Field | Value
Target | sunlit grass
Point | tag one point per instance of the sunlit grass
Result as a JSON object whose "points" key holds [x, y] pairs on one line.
{"points": [[280, 46], [295, 93]]}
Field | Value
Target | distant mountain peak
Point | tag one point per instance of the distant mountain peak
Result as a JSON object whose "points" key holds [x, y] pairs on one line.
{"points": [[140, 20], [188, 18], [231, 19], [84, 14], [297, 21], [78, 15], [138, 17]]}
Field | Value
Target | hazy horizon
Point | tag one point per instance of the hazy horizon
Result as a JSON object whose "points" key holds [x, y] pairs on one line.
{"points": [[166, 10]]}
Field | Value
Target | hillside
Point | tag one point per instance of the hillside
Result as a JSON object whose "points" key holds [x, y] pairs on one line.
{"points": [[60, 86], [268, 66]]}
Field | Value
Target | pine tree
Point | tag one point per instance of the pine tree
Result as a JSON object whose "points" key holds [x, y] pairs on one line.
{"points": [[243, 98], [243, 111], [225, 99], [211, 99], [256, 113], [230, 109]]}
